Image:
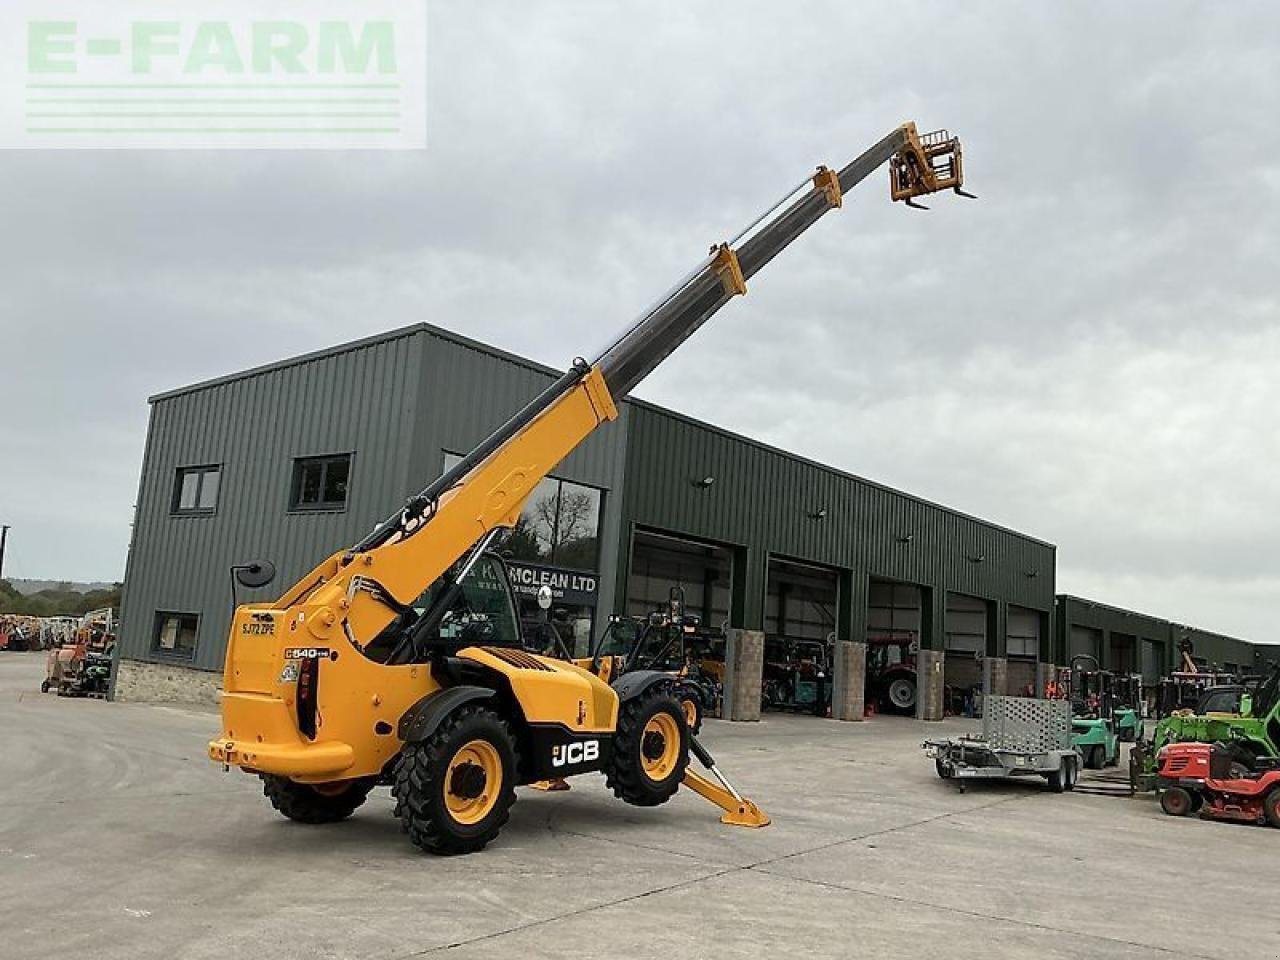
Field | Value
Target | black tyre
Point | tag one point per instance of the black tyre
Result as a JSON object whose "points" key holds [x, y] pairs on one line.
{"points": [[455, 789], [650, 749], [691, 704], [1176, 801], [943, 770], [1094, 757], [44, 686], [901, 695], [1271, 807], [1058, 779], [315, 803]]}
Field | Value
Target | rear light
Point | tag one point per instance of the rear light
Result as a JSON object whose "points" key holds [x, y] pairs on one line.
{"points": [[308, 689]]}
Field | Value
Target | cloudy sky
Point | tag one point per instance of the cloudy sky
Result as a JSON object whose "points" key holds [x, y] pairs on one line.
{"points": [[1088, 353]]}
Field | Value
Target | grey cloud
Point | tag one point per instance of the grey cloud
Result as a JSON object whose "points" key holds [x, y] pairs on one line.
{"points": [[1085, 353]]}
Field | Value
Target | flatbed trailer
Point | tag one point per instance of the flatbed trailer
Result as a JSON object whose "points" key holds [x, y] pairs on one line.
{"points": [[1020, 737]]}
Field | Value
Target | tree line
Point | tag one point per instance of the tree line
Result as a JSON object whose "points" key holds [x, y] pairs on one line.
{"points": [[57, 602]]}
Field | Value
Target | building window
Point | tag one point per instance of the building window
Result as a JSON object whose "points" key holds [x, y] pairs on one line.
{"points": [[175, 634], [195, 489], [560, 524], [320, 483]]}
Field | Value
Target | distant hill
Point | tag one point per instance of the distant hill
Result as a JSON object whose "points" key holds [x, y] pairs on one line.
{"points": [[28, 587], [57, 599]]}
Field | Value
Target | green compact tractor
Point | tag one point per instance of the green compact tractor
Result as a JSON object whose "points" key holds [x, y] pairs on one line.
{"points": [[1245, 722], [1094, 731]]}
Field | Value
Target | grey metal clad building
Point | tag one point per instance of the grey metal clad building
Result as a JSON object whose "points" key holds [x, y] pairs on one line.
{"points": [[1130, 642], [297, 459]]}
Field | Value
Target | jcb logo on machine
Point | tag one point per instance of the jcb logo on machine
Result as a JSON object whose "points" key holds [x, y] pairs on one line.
{"points": [[307, 653], [570, 754]]}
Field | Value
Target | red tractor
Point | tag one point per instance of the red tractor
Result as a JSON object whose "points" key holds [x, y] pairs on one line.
{"points": [[1206, 778]]}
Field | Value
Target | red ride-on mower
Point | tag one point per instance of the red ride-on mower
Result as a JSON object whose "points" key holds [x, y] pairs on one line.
{"points": [[1205, 777]]}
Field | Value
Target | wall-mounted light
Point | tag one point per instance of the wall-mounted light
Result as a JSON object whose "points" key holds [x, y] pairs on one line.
{"points": [[1031, 574], [906, 537], [819, 514], [703, 482], [976, 558]]}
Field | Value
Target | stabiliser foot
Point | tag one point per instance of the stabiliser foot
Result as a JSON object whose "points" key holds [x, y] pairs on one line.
{"points": [[738, 810]]}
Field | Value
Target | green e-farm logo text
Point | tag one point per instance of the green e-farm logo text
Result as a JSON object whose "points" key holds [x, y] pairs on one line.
{"points": [[136, 73]]}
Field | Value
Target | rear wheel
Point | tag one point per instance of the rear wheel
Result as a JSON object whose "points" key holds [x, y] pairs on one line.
{"points": [[315, 802], [650, 749], [454, 790], [1176, 801], [944, 771], [1271, 806], [902, 694]]}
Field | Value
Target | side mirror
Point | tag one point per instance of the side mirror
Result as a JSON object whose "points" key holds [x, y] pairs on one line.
{"points": [[255, 575], [544, 597]]}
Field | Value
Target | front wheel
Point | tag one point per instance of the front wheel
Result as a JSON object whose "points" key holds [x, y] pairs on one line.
{"points": [[454, 790], [650, 749], [315, 802], [1176, 801], [1094, 757]]}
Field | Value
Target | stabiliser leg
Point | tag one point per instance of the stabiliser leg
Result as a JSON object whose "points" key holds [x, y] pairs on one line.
{"points": [[738, 811]]}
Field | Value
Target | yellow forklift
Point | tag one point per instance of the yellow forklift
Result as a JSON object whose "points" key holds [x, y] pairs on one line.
{"points": [[398, 661]]}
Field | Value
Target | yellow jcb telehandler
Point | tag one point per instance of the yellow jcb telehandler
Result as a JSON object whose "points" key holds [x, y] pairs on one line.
{"points": [[398, 661]]}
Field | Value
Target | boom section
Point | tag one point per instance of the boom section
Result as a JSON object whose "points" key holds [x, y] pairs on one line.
{"points": [[361, 590]]}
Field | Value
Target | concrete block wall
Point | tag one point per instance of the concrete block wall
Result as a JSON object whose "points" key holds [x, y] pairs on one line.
{"points": [[744, 674], [931, 677], [848, 700], [137, 681]]}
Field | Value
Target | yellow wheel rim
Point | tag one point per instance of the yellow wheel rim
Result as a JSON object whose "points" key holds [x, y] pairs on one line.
{"points": [[660, 746], [473, 782], [690, 713]]}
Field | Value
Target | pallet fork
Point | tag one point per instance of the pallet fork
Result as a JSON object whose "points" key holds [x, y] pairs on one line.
{"points": [[928, 163]]}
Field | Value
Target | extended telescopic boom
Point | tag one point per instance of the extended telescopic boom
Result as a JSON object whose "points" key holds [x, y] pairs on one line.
{"points": [[487, 489]]}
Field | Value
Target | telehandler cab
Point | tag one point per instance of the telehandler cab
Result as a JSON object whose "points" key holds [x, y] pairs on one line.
{"points": [[398, 661]]}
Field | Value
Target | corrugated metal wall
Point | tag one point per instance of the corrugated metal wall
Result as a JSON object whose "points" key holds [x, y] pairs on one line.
{"points": [[763, 501], [359, 401], [396, 402], [1111, 622]]}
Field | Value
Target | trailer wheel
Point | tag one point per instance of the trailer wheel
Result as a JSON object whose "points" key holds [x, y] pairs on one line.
{"points": [[454, 790], [315, 803], [1071, 773], [1176, 801], [943, 770], [1271, 806], [650, 749], [44, 686], [1058, 779]]}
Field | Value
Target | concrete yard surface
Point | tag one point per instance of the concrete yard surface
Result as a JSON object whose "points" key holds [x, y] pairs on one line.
{"points": [[119, 839]]}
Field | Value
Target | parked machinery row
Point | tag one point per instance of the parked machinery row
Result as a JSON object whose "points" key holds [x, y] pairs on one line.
{"points": [[79, 663]]}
